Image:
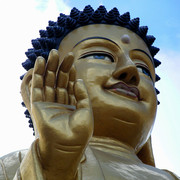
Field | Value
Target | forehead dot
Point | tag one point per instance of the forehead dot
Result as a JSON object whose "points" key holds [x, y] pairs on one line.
{"points": [[125, 39]]}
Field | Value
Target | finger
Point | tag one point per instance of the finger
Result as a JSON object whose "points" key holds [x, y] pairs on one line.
{"points": [[81, 94], [61, 89], [72, 78], [72, 74], [37, 80], [49, 94], [63, 77], [72, 100], [67, 62], [51, 68], [62, 96], [50, 75], [39, 66], [70, 89]]}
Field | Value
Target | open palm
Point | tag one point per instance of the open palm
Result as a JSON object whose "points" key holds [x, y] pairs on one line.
{"points": [[61, 111]]}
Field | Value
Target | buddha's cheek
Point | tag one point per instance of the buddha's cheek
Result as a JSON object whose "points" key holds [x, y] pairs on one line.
{"points": [[94, 73]]}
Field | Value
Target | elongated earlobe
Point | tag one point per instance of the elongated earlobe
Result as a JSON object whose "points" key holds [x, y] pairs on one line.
{"points": [[146, 153], [25, 89]]}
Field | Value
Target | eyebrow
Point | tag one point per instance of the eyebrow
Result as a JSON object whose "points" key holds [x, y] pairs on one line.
{"points": [[144, 53], [96, 37], [99, 37]]}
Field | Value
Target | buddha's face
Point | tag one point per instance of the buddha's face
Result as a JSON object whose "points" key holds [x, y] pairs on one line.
{"points": [[119, 75]]}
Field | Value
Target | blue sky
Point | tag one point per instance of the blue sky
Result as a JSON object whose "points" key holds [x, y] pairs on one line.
{"points": [[21, 21], [161, 16]]}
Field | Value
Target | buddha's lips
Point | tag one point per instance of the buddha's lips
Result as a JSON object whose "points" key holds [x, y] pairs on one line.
{"points": [[123, 88]]}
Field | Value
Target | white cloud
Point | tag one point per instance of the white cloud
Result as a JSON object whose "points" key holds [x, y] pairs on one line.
{"points": [[166, 130], [21, 21], [169, 69]]}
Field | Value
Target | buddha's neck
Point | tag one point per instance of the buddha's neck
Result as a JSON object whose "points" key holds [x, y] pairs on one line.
{"points": [[112, 146]]}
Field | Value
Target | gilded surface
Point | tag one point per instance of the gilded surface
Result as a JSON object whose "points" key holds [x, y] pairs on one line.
{"points": [[93, 109]]}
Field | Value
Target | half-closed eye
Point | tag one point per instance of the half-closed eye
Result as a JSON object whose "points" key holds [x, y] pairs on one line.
{"points": [[100, 56], [144, 70]]}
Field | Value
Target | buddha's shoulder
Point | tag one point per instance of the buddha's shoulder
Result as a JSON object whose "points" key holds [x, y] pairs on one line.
{"points": [[10, 163], [172, 174], [160, 173]]}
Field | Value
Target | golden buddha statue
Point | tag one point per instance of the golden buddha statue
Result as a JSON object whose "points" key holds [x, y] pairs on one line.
{"points": [[90, 92]]}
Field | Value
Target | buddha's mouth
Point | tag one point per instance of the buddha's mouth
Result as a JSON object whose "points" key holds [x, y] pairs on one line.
{"points": [[123, 89]]}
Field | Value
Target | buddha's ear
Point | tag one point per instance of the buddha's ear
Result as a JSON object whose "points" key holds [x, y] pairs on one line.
{"points": [[146, 153], [26, 89]]}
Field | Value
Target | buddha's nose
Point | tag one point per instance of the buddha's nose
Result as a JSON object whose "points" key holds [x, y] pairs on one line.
{"points": [[126, 71]]}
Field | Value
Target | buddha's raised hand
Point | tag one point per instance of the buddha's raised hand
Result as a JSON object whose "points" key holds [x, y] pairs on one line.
{"points": [[64, 130]]}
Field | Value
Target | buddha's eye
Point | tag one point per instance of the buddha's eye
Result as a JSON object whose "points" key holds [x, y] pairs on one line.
{"points": [[101, 56], [144, 70]]}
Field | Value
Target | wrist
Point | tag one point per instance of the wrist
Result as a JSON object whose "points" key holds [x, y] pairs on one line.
{"points": [[59, 163]]}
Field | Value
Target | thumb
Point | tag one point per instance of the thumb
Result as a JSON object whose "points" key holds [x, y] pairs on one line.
{"points": [[81, 94], [81, 121]]}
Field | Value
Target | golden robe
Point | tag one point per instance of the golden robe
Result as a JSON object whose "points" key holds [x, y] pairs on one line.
{"points": [[102, 160]]}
